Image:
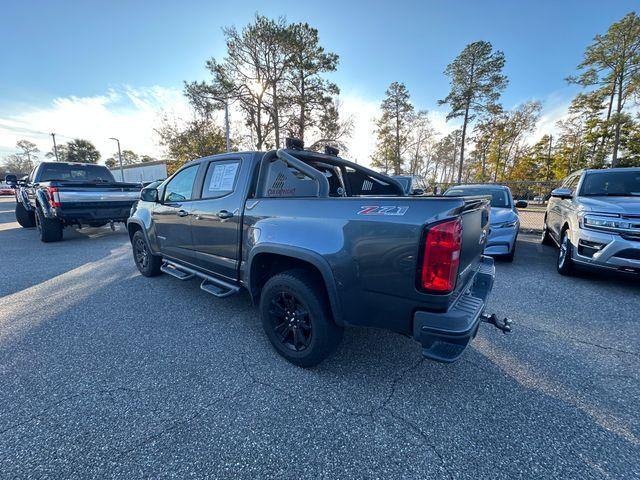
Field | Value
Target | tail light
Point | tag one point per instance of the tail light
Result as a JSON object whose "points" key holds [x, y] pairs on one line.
{"points": [[54, 197], [441, 257]]}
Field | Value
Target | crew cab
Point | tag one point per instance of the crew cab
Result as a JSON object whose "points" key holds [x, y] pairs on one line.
{"points": [[321, 243], [594, 219], [60, 194]]}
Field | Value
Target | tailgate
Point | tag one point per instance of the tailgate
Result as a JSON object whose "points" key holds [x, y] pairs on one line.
{"points": [[475, 224], [91, 194]]}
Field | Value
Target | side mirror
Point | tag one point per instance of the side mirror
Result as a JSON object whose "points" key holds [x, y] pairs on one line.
{"points": [[11, 180], [417, 191], [149, 195], [562, 193], [521, 204]]}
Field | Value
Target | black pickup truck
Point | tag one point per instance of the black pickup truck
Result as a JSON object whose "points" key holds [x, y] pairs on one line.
{"points": [[60, 194], [321, 243]]}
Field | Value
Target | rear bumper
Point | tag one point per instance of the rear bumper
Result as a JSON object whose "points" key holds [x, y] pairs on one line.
{"points": [[116, 211], [444, 336]]}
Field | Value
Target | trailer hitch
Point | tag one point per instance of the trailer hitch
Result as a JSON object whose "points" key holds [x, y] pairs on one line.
{"points": [[504, 325]]}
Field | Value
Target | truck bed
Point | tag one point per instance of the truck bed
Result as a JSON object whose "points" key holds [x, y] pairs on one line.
{"points": [[372, 246]]}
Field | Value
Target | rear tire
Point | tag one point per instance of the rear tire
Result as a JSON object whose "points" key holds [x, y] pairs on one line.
{"points": [[296, 317], [50, 229], [148, 264], [25, 218], [565, 262]]}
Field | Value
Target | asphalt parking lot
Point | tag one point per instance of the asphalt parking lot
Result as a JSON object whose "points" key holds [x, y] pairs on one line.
{"points": [[108, 374]]}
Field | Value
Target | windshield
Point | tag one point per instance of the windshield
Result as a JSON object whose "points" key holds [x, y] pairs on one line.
{"points": [[499, 196], [617, 184], [79, 173]]}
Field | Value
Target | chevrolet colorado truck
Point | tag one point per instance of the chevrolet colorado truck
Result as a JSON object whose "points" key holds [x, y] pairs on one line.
{"points": [[594, 219], [59, 194], [321, 243]]}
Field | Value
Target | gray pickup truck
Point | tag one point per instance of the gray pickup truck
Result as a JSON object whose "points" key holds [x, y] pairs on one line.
{"points": [[321, 243], [60, 194], [594, 218]]}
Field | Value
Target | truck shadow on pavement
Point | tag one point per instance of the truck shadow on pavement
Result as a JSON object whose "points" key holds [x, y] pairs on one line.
{"points": [[105, 370]]}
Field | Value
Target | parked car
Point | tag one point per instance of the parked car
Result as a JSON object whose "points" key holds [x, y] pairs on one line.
{"points": [[321, 243], [412, 184], [59, 194], [6, 189], [504, 221], [594, 219]]}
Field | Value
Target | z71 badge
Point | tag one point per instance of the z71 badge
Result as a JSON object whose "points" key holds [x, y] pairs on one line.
{"points": [[383, 210]]}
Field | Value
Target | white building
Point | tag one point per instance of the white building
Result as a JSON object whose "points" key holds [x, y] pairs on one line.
{"points": [[141, 172]]}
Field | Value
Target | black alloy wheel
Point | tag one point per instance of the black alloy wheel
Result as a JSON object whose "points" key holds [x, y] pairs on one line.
{"points": [[290, 321]]}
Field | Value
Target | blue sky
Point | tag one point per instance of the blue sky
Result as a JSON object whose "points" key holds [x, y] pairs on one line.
{"points": [[61, 59]]}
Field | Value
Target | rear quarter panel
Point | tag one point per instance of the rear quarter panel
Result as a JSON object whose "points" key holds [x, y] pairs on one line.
{"points": [[372, 253]]}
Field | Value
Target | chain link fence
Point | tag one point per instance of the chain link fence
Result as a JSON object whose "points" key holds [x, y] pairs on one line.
{"points": [[535, 193]]}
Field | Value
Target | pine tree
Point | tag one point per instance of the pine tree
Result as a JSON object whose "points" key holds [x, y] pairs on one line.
{"points": [[476, 84]]}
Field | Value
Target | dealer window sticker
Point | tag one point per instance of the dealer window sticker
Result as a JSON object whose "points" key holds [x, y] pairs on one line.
{"points": [[223, 177]]}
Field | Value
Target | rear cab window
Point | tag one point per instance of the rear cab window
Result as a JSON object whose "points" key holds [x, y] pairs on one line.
{"points": [[80, 173]]}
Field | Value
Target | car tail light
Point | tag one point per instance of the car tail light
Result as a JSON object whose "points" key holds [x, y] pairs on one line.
{"points": [[441, 257], [54, 197]]}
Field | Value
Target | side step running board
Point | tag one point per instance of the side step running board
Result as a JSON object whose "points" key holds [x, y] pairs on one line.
{"points": [[214, 286], [172, 270], [218, 290]]}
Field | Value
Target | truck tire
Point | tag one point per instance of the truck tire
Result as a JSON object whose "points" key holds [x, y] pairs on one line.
{"points": [[297, 319], [50, 229], [148, 264], [25, 218], [565, 262]]}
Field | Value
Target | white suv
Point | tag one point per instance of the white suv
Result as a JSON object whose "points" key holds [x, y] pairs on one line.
{"points": [[594, 218]]}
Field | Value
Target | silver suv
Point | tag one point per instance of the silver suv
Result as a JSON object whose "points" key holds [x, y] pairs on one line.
{"points": [[594, 218]]}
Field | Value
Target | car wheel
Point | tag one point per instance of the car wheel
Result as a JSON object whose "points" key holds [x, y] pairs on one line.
{"points": [[546, 236], [296, 318], [25, 218], [148, 264], [50, 229], [565, 260]]}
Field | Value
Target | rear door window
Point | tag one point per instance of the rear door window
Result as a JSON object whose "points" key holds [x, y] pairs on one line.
{"points": [[220, 179]]}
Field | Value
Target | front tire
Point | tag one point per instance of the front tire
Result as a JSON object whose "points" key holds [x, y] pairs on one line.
{"points": [[565, 261], [148, 264], [25, 218], [50, 229], [296, 317]]}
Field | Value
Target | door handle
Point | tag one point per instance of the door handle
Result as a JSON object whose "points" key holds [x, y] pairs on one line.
{"points": [[182, 213], [224, 214]]}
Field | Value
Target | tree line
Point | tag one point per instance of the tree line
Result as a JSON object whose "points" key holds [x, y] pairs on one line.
{"points": [[77, 150], [600, 130], [275, 74]]}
